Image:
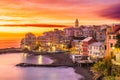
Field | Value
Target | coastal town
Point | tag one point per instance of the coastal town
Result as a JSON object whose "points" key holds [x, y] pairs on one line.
{"points": [[59, 39], [92, 51], [94, 43]]}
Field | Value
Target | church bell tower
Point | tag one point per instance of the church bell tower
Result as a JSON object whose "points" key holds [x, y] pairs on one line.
{"points": [[76, 23]]}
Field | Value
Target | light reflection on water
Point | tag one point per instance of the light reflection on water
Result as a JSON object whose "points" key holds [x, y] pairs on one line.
{"points": [[8, 70], [36, 59], [40, 60]]}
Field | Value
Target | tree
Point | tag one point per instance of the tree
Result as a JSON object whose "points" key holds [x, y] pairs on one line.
{"points": [[98, 70], [108, 65], [102, 68]]}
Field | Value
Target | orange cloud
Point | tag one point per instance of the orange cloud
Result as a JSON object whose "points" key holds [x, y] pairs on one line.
{"points": [[58, 12], [38, 15], [36, 25]]}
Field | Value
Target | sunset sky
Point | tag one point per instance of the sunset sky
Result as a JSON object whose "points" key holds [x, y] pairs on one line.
{"points": [[54, 13]]}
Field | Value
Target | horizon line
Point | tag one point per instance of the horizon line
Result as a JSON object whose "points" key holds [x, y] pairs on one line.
{"points": [[36, 25], [53, 25]]}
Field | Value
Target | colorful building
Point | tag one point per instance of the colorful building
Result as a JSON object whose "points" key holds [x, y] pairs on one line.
{"points": [[111, 39], [76, 44], [84, 45], [29, 41], [99, 33], [86, 31], [97, 50], [52, 38]]}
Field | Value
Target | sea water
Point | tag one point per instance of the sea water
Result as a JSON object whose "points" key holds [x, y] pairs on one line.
{"points": [[8, 70]]}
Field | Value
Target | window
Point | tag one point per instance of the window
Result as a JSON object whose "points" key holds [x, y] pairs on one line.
{"points": [[111, 45], [105, 47], [109, 37], [94, 47], [89, 47], [114, 37], [111, 53], [96, 53], [89, 52]]}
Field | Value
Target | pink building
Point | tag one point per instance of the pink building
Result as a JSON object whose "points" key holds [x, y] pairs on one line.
{"points": [[86, 31], [73, 31]]}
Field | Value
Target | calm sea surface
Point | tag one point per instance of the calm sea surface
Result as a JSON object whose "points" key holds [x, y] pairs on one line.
{"points": [[9, 43], [8, 70]]}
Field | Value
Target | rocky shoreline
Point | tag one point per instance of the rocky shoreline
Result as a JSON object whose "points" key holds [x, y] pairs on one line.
{"points": [[42, 65]]}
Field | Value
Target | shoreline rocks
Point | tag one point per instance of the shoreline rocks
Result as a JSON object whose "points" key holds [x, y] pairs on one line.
{"points": [[42, 65]]}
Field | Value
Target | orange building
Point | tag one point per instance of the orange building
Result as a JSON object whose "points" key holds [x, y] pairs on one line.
{"points": [[111, 39]]}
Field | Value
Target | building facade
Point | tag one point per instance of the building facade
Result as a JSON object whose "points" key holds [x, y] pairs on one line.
{"points": [[84, 45], [29, 41], [52, 38], [111, 39], [97, 50]]}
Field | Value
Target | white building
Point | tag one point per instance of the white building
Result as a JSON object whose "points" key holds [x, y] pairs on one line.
{"points": [[96, 50], [29, 41]]}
